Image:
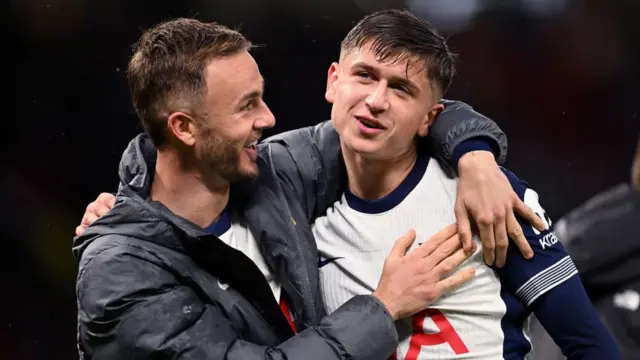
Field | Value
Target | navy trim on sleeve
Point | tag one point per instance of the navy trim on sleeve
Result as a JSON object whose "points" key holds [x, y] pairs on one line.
{"points": [[550, 266], [473, 144]]}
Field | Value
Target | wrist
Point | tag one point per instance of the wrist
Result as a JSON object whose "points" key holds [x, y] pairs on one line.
{"points": [[387, 305], [475, 160], [468, 146]]}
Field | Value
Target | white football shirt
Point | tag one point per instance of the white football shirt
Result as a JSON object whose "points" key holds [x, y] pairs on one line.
{"points": [[486, 318], [231, 230]]}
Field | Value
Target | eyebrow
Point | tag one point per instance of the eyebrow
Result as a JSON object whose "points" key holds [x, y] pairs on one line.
{"points": [[254, 94], [396, 80]]}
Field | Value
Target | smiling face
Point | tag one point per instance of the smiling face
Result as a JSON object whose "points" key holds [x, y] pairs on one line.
{"points": [[394, 67], [379, 107], [198, 93], [226, 139]]}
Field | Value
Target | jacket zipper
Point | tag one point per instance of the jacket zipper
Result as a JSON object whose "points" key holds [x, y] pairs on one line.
{"points": [[292, 223]]}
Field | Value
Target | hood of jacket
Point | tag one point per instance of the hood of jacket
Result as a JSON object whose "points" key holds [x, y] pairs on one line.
{"points": [[134, 214]]}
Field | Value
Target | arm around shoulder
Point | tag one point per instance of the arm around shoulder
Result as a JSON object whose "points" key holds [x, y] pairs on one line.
{"points": [[458, 123]]}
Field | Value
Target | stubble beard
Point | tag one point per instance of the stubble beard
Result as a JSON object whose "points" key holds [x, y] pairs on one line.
{"points": [[223, 157]]}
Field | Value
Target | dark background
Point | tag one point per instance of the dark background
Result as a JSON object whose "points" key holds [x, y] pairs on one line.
{"points": [[559, 76]]}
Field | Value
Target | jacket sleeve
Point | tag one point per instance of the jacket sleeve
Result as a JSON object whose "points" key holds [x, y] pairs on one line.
{"points": [[308, 162], [130, 307], [458, 123]]}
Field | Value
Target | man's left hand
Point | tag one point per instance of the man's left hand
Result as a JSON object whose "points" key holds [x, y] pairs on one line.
{"points": [[486, 196]]}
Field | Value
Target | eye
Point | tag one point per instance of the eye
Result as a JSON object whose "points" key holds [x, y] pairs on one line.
{"points": [[363, 74], [402, 88], [250, 105]]}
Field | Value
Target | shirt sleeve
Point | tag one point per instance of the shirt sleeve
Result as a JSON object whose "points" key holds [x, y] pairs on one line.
{"points": [[567, 314], [550, 265]]}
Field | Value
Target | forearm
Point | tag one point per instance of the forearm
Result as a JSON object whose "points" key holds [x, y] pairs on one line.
{"points": [[457, 124], [360, 329], [568, 316]]}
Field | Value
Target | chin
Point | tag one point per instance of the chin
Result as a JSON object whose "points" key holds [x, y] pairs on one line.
{"points": [[251, 174], [249, 171], [364, 147], [242, 171], [242, 175]]}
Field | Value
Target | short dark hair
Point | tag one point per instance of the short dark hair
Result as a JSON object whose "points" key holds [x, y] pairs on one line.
{"points": [[397, 34], [167, 70]]}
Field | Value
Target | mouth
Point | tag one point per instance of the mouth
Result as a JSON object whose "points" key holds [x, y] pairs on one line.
{"points": [[251, 145], [370, 123]]}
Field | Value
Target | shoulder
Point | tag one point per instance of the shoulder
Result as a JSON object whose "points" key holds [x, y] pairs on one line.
{"points": [[528, 195], [120, 271], [290, 150], [519, 185], [117, 261], [316, 135], [313, 152], [105, 247]]}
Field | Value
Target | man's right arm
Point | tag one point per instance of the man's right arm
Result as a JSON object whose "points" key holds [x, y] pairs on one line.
{"points": [[130, 307]]}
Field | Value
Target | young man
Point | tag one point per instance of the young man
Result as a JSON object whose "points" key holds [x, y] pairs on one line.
{"points": [[202, 256], [385, 91]]}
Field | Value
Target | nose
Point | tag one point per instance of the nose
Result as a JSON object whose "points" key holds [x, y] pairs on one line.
{"points": [[265, 120], [378, 100]]}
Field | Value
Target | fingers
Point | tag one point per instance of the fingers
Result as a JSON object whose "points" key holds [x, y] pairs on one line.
{"points": [[88, 219], [442, 252], [97, 208], [451, 263], [445, 285], [80, 230], [502, 243], [488, 242], [106, 199], [464, 226], [402, 244], [435, 241], [515, 233], [530, 216]]}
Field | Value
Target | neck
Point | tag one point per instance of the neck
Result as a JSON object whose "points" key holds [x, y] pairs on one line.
{"points": [[187, 191], [373, 179]]}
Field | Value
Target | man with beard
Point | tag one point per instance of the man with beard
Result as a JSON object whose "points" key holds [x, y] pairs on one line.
{"points": [[194, 261]]}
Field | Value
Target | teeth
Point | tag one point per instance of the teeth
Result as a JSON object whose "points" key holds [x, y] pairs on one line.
{"points": [[252, 144]]}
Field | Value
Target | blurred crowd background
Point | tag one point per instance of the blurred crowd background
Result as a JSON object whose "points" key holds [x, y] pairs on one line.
{"points": [[561, 78]]}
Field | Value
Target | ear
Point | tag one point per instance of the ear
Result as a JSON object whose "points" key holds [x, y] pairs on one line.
{"points": [[183, 127], [332, 76], [429, 118], [635, 169]]}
